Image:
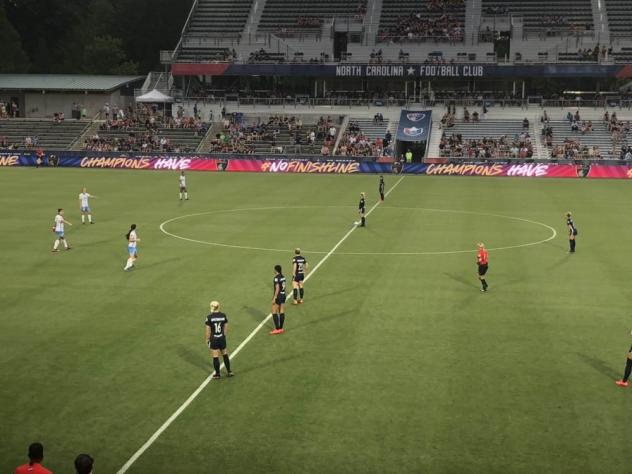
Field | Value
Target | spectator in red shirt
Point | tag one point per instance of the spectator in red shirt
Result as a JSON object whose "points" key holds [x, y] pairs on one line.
{"points": [[34, 466]]}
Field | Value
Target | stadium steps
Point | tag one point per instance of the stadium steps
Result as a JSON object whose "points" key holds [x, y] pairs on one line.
{"points": [[252, 24], [89, 131], [600, 19], [371, 22], [50, 135], [472, 20], [435, 139], [205, 143]]}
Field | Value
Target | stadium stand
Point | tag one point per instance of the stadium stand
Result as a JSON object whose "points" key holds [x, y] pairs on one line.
{"points": [[112, 137], [219, 18], [199, 54], [415, 20], [29, 133], [549, 16], [591, 139], [303, 16], [275, 134], [619, 17], [487, 139], [364, 137]]}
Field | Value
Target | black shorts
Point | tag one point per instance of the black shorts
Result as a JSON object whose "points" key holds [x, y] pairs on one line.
{"points": [[217, 343], [482, 270], [280, 299], [183, 189], [299, 277]]}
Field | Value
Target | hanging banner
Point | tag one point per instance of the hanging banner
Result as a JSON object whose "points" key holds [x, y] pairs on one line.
{"points": [[414, 126]]}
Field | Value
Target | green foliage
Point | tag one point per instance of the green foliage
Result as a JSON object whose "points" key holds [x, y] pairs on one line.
{"points": [[95, 36], [14, 59]]}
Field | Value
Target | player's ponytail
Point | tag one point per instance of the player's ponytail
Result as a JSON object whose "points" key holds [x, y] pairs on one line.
{"points": [[133, 227]]}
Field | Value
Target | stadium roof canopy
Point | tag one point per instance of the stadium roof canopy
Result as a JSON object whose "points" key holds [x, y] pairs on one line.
{"points": [[64, 82]]}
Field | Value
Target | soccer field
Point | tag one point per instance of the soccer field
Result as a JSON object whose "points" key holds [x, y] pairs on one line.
{"points": [[395, 363]]}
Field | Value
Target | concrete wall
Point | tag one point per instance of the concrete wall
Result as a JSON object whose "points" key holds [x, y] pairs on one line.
{"points": [[45, 105]]}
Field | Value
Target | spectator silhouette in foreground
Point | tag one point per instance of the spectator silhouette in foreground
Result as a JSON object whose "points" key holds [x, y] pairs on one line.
{"points": [[34, 466], [83, 464]]}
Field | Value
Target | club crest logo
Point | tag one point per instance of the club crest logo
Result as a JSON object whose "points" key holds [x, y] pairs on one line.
{"points": [[413, 131], [415, 116]]}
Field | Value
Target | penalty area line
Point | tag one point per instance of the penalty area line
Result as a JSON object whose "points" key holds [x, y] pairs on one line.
{"points": [[152, 439]]}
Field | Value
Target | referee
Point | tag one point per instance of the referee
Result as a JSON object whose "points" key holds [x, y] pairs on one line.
{"points": [[482, 258], [362, 210], [628, 370], [382, 186], [572, 232]]}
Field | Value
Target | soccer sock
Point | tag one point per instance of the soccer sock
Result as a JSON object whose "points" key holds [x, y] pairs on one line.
{"points": [[65, 243], [90, 217], [295, 293], [216, 364], [83, 219], [186, 195], [180, 196], [281, 320], [572, 245], [129, 263], [276, 321], [56, 246], [628, 370], [301, 292], [226, 362], [363, 220], [484, 282]]}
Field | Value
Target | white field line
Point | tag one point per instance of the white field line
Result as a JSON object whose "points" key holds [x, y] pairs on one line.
{"points": [[234, 353]]}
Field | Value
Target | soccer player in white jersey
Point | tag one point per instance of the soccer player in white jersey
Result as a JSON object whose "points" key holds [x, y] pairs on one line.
{"points": [[132, 240], [183, 187], [84, 205], [58, 228]]}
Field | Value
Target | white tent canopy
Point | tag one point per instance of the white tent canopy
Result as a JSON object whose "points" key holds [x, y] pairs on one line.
{"points": [[154, 96]]}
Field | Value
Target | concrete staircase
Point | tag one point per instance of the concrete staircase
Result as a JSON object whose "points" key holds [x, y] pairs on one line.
{"points": [[600, 19], [253, 20], [371, 22], [472, 21], [435, 139], [88, 132]]}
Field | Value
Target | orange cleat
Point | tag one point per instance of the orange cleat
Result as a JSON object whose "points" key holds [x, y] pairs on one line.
{"points": [[621, 383], [295, 302], [281, 331], [300, 301], [275, 332]]}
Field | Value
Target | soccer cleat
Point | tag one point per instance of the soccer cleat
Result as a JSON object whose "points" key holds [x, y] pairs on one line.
{"points": [[55, 250], [300, 301], [281, 331], [621, 383], [295, 302], [216, 376], [274, 332], [68, 248], [229, 374], [483, 290], [91, 222]]}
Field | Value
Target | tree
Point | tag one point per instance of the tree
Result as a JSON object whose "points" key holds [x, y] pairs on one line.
{"points": [[105, 55], [14, 59]]}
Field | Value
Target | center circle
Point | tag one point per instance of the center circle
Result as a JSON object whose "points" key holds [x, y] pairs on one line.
{"points": [[246, 218]]}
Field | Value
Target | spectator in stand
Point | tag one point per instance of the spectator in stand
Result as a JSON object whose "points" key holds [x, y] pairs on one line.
{"points": [[525, 123], [83, 464], [34, 466]]}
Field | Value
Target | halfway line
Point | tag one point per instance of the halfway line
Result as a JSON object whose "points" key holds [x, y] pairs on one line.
{"points": [[206, 381]]}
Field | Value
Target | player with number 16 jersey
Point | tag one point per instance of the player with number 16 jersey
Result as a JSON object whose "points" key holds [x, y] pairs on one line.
{"points": [[216, 327]]}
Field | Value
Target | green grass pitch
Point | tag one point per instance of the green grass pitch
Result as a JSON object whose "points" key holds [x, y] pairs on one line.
{"points": [[395, 363]]}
